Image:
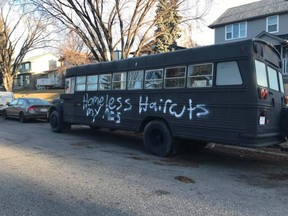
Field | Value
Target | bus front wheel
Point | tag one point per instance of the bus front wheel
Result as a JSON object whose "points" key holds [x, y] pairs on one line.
{"points": [[56, 123], [157, 138]]}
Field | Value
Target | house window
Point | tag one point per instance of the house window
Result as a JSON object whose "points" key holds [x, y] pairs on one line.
{"points": [[25, 67], [237, 30], [285, 66], [52, 64], [272, 24]]}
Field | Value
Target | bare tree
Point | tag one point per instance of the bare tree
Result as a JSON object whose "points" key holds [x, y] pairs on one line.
{"points": [[20, 34], [106, 25], [73, 51]]}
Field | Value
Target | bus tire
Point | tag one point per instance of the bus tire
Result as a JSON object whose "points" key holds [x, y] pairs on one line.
{"points": [[157, 138], [56, 124]]}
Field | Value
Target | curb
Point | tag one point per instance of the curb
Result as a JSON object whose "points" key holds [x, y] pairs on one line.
{"points": [[269, 154]]}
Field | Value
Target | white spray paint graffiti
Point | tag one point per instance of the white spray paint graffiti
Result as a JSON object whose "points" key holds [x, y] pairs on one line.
{"points": [[112, 107], [170, 107]]}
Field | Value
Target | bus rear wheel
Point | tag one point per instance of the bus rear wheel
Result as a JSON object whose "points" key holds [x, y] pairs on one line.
{"points": [[157, 138], [56, 123]]}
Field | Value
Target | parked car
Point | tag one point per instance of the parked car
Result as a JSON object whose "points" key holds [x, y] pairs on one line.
{"points": [[26, 108], [5, 98]]}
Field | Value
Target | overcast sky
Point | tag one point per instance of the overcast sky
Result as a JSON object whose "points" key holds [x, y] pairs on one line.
{"points": [[206, 35]]}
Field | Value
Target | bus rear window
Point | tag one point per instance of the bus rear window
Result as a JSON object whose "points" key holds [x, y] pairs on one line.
{"points": [[261, 74], [273, 79], [281, 82]]}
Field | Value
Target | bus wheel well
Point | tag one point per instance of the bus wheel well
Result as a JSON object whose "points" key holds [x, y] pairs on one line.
{"points": [[56, 107], [157, 137], [51, 110], [151, 118]]}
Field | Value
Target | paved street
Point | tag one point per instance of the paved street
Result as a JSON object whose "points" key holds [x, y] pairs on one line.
{"points": [[88, 172]]}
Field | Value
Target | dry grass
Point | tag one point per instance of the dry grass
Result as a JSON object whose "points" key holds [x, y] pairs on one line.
{"points": [[48, 95]]}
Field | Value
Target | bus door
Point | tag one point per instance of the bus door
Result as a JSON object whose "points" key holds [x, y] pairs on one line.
{"points": [[68, 98], [270, 95]]}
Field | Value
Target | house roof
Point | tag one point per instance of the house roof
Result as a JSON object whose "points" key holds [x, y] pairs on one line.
{"points": [[35, 57], [273, 39], [251, 11]]}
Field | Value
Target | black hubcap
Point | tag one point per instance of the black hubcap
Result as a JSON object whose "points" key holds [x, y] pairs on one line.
{"points": [[156, 137]]}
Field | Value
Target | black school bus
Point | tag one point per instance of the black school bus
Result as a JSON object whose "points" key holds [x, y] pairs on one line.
{"points": [[228, 93]]}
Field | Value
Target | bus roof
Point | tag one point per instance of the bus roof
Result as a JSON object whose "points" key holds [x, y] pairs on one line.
{"points": [[203, 54]]}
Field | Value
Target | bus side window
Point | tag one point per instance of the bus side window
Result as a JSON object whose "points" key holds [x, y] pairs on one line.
{"points": [[104, 82], [228, 73], [200, 75], [175, 77], [135, 79], [92, 83], [153, 79], [119, 81], [80, 83]]}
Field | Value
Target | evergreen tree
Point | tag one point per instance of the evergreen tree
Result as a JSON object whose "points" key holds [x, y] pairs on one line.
{"points": [[168, 20]]}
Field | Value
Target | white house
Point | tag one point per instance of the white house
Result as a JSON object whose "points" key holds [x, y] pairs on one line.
{"points": [[33, 67]]}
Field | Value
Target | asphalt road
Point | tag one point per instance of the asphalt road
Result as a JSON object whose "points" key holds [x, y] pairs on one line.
{"points": [[88, 172]]}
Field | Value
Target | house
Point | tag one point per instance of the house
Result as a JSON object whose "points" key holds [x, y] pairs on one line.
{"points": [[43, 65], [265, 19]]}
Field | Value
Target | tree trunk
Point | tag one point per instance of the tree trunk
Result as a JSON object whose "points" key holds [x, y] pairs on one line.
{"points": [[8, 81]]}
